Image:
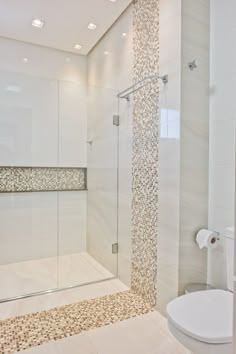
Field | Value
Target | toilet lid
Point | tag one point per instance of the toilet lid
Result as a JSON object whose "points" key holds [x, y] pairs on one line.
{"points": [[205, 315]]}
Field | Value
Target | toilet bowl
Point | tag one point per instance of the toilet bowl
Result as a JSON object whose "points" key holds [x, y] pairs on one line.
{"points": [[203, 321]]}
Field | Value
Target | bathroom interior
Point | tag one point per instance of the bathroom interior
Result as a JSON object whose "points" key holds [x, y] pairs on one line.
{"points": [[117, 176]]}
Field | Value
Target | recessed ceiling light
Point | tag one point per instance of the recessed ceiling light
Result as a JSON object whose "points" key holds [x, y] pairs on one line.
{"points": [[36, 22], [77, 46], [112, 0], [25, 60], [92, 26], [106, 53], [124, 35]]}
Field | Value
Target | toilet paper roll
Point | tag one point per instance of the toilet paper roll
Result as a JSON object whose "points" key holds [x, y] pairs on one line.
{"points": [[207, 238]]}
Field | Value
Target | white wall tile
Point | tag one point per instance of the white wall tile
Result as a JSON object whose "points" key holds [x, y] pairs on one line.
{"points": [[194, 140], [169, 154], [44, 124], [222, 186], [107, 75], [72, 124], [28, 226], [222, 142], [222, 137], [26, 117], [72, 227]]}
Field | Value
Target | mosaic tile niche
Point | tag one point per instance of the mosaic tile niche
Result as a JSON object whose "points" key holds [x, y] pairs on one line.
{"points": [[41, 179], [145, 151]]}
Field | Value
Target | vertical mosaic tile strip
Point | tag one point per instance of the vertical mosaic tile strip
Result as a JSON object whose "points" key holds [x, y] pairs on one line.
{"points": [[35, 179], [145, 151], [38, 328]]}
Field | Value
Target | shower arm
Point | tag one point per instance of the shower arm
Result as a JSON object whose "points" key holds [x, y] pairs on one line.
{"points": [[140, 84]]}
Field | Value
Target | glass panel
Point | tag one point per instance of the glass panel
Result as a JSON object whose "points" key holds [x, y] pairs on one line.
{"points": [[72, 206], [55, 239], [85, 240], [102, 180], [125, 188], [28, 221]]}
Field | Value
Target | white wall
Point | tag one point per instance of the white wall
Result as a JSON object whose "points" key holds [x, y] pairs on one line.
{"points": [[194, 137], [183, 146], [44, 124], [169, 153], [107, 74], [222, 131]]}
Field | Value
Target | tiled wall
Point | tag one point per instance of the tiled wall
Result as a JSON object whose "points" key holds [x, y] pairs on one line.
{"points": [[183, 148], [107, 75], [194, 138], [234, 331], [42, 124], [169, 154], [36, 179], [222, 132], [145, 151]]}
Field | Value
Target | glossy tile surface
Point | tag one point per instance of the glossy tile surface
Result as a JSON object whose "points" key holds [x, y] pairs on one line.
{"points": [[61, 298], [194, 140], [39, 275], [38, 328], [107, 75], [146, 334], [222, 134], [169, 154]]}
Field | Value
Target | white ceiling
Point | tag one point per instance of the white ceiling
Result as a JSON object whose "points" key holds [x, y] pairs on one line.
{"points": [[66, 21]]}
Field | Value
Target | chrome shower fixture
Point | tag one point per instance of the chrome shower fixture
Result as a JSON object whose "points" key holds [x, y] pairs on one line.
{"points": [[192, 65]]}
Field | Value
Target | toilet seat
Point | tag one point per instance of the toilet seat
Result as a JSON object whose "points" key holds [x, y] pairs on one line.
{"points": [[206, 316]]}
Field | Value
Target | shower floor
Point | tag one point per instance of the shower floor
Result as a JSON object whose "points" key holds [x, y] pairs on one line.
{"points": [[34, 276]]}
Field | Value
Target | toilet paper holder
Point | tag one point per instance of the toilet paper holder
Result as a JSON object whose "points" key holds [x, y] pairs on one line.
{"points": [[216, 238], [206, 238]]}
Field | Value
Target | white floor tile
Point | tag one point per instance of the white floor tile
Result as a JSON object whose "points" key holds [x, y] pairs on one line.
{"points": [[46, 302], [23, 278], [74, 345], [147, 334]]}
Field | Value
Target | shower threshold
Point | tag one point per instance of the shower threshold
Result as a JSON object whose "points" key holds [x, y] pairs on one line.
{"points": [[44, 276]]}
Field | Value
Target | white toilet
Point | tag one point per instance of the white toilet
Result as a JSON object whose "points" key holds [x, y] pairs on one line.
{"points": [[203, 321]]}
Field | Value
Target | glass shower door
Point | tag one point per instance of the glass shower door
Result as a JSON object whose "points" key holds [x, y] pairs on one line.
{"points": [[102, 217], [28, 214], [58, 185]]}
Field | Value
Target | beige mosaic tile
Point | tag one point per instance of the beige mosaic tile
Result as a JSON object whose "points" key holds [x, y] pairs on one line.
{"points": [[34, 179], [23, 179], [23, 332], [6, 179], [145, 151]]}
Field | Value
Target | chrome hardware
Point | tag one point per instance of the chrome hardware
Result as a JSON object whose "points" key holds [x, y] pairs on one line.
{"points": [[116, 120], [140, 84], [115, 248], [192, 65]]}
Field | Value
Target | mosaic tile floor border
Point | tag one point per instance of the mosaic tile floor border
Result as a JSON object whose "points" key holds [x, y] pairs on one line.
{"points": [[23, 332]]}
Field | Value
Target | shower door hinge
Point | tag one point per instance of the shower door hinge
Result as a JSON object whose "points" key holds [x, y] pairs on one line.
{"points": [[115, 248], [116, 120]]}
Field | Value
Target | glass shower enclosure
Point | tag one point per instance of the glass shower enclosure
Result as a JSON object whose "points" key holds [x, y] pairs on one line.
{"points": [[58, 185]]}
